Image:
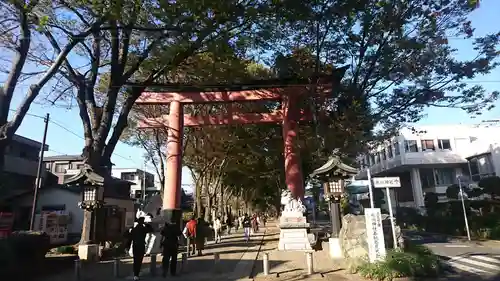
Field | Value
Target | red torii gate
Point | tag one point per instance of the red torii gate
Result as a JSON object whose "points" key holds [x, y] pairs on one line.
{"points": [[290, 114]]}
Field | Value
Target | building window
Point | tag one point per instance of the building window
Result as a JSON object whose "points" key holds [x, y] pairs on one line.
{"points": [[444, 144], [396, 148], [389, 152], [481, 166], [427, 178], [48, 166], [128, 176], [138, 194], [52, 208], [411, 146], [428, 145], [382, 154], [437, 177], [444, 176], [61, 168]]}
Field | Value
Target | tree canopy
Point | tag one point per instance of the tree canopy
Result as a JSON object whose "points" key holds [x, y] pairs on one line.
{"points": [[103, 54]]}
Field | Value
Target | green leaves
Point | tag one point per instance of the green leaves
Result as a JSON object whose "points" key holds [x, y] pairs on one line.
{"points": [[399, 54]]}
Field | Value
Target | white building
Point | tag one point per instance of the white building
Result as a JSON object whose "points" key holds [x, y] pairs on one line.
{"points": [[429, 159], [142, 181]]}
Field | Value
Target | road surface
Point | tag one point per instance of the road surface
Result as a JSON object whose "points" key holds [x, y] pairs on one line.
{"points": [[462, 259]]}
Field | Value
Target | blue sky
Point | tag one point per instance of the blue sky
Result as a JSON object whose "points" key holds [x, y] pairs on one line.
{"points": [[64, 133]]}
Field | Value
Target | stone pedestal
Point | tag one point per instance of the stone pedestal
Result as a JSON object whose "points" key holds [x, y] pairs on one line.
{"points": [[88, 252], [293, 233], [335, 250]]}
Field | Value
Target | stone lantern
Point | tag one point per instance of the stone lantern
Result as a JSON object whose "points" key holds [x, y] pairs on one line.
{"points": [[333, 175], [93, 187]]}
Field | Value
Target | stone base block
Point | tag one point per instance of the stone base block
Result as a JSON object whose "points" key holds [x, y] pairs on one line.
{"points": [[88, 252], [294, 239], [335, 249]]}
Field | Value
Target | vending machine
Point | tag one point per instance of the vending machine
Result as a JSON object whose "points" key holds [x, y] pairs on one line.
{"points": [[6, 223], [55, 224]]}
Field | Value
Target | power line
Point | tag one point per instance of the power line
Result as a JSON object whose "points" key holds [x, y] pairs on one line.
{"points": [[74, 134]]}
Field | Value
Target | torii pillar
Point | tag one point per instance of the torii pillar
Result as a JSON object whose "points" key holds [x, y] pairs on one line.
{"points": [[293, 172], [172, 190]]}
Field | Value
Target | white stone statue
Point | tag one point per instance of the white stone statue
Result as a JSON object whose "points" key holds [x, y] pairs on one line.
{"points": [[292, 205]]}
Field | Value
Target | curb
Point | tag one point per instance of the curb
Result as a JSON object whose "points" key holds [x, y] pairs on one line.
{"points": [[460, 237]]}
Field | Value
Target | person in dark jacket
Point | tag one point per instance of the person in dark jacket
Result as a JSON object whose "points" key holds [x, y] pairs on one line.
{"points": [[247, 224], [137, 241], [229, 223], [170, 244], [201, 235]]}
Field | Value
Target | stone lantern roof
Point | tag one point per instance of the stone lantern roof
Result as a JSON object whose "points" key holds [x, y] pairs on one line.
{"points": [[87, 175], [334, 168]]}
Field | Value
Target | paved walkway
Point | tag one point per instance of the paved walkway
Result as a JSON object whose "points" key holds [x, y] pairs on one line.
{"points": [[291, 265], [236, 262]]}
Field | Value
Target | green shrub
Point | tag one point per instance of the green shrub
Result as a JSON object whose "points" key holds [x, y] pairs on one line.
{"points": [[415, 261], [23, 247], [66, 250]]}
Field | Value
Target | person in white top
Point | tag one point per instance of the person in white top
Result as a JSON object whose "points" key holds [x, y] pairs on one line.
{"points": [[240, 221], [217, 229]]}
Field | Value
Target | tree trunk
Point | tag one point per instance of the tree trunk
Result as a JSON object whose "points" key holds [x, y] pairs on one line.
{"points": [[199, 203], [3, 148], [208, 212]]}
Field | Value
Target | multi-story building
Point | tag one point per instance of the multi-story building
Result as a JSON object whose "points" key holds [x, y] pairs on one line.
{"points": [[143, 181], [63, 166], [430, 158], [21, 163]]}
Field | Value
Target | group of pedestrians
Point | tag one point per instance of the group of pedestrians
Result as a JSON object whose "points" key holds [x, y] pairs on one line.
{"points": [[217, 227], [195, 232]]}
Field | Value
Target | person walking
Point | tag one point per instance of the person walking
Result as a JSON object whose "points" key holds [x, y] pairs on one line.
{"points": [[217, 229], [170, 244], [137, 241], [240, 221], [229, 223], [255, 227], [201, 234], [190, 235], [236, 223], [247, 225]]}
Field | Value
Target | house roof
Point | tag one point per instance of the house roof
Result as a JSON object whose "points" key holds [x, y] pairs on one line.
{"points": [[62, 158], [30, 142], [336, 166]]}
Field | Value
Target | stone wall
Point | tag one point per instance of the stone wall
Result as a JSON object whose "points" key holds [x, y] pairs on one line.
{"points": [[353, 238]]}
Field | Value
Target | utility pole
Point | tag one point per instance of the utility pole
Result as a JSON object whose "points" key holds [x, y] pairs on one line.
{"points": [[38, 182], [144, 184]]}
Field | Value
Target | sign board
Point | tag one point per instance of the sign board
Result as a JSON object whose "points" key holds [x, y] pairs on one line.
{"points": [[386, 182], [359, 183], [375, 234]]}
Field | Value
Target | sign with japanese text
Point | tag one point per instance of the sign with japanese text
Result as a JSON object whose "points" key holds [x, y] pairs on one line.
{"points": [[375, 233], [386, 182]]}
